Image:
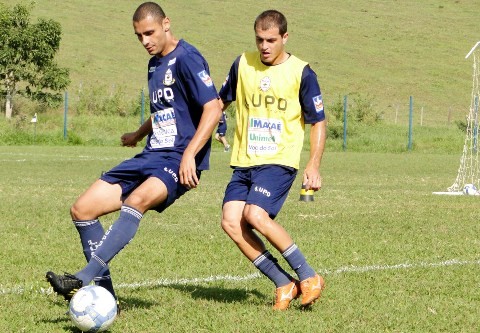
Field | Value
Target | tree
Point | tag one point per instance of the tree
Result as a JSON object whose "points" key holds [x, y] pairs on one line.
{"points": [[27, 51]]}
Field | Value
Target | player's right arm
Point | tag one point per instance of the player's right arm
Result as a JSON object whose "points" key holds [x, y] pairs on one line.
{"points": [[228, 91], [131, 139]]}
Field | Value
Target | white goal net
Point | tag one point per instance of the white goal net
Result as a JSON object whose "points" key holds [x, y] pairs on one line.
{"points": [[469, 170]]}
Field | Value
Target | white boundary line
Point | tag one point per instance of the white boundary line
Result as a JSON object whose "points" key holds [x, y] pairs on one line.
{"points": [[193, 281], [473, 49], [448, 193]]}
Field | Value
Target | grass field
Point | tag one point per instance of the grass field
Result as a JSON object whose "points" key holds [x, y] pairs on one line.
{"points": [[395, 257], [388, 50]]}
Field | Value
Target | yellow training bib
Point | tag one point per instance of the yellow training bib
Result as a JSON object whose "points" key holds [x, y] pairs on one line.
{"points": [[270, 125]]}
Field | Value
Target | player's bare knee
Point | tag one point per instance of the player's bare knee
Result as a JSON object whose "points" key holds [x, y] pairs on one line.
{"points": [[77, 213], [252, 217], [231, 228], [138, 202], [259, 220]]}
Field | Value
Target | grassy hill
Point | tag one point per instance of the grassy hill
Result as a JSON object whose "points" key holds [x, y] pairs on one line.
{"points": [[384, 50]]}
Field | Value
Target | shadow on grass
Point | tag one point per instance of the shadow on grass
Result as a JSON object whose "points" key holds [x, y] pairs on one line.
{"points": [[217, 294], [199, 292]]}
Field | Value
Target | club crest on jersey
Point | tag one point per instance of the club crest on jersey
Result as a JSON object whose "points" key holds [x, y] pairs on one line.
{"points": [[203, 75], [265, 84], [169, 80], [318, 102]]}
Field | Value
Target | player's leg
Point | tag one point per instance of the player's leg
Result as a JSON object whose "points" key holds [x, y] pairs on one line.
{"points": [[152, 192], [260, 211], [254, 249], [224, 141], [128, 177], [249, 243], [100, 198], [160, 189], [239, 231]]}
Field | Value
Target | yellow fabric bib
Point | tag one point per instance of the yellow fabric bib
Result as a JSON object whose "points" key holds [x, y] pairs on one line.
{"points": [[270, 125]]}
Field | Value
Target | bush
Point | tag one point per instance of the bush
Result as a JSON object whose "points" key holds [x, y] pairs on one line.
{"points": [[361, 111], [100, 100]]}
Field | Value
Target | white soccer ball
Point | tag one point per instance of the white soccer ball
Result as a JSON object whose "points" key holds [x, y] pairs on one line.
{"points": [[470, 189], [93, 309]]}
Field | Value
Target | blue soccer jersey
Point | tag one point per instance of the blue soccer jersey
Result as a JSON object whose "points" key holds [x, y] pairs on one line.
{"points": [[179, 85]]}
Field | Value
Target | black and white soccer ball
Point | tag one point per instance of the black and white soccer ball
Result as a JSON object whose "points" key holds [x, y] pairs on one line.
{"points": [[470, 189], [93, 309]]}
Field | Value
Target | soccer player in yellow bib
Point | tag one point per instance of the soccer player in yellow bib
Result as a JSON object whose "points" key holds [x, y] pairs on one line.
{"points": [[276, 94]]}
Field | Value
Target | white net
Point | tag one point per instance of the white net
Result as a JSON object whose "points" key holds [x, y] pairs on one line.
{"points": [[469, 170]]}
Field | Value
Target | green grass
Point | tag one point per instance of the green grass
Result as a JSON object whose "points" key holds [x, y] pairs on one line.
{"points": [[395, 257], [389, 50], [106, 131], [384, 243]]}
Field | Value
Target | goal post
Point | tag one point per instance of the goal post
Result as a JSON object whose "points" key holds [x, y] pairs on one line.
{"points": [[469, 169]]}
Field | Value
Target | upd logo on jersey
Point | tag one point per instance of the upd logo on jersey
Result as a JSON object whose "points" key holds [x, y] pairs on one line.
{"points": [[264, 135], [318, 102], [203, 75]]}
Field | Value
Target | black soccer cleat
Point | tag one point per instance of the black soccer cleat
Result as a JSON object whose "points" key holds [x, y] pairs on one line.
{"points": [[66, 285]]}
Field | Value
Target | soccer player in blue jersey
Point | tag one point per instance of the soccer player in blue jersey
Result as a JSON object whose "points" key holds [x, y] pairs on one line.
{"points": [[185, 108], [276, 94], [221, 133]]}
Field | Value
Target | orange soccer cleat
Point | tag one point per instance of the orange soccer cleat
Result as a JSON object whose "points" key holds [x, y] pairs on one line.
{"points": [[311, 289], [284, 295]]}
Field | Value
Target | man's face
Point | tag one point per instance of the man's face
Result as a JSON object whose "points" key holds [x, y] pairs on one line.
{"points": [[271, 45], [152, 34]]}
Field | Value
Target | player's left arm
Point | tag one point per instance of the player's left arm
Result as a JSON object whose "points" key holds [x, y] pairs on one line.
{"points": [[312, 106], [311, 175], [211, 114]]}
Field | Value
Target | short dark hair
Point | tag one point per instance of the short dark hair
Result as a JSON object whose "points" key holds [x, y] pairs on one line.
{"points": [[269, 19], [149, 9]]}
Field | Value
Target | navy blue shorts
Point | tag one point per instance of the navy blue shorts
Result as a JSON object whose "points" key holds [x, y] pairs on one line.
{"points": [[131, 173], [266, 186], [222, 129]]}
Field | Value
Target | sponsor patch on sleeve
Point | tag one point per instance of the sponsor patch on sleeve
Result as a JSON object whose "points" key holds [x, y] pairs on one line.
{"points": [[203, 75], [318, 102]]}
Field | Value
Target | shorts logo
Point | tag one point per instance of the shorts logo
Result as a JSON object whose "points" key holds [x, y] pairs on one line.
{"points": [[172, 173], [318, 102], [203, 75], [262, 190]]}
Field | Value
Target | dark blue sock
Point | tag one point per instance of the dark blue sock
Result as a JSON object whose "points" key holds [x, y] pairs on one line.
{"points": [[297, 261], [268, 265], [91, 233], [115, 239]]}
